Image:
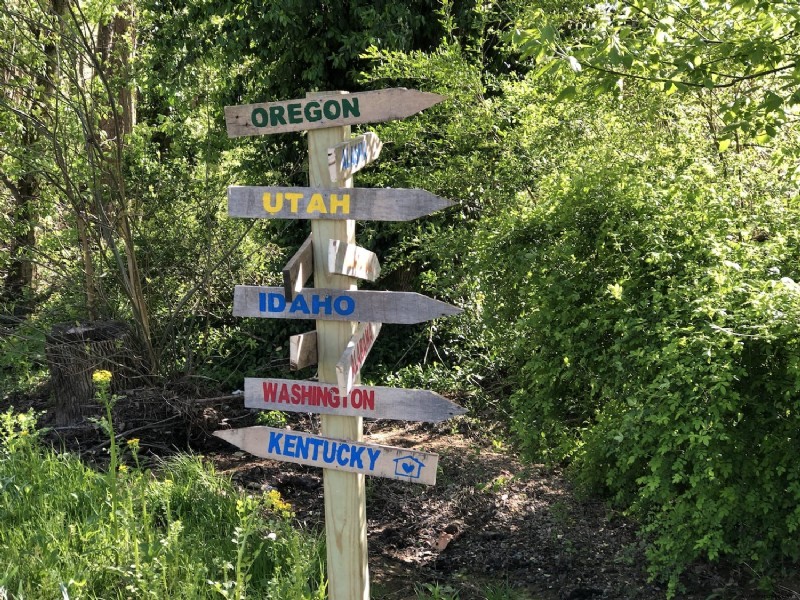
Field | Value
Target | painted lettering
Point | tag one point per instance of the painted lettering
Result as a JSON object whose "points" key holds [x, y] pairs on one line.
{"points": [[350, 107], [300, 305], [328, 458], [284, 395], [302, 447], [344, 305], [373, 453], [289, 445], [276, 302], [343, 203], [276, 115], [316, 204], [368, 397], [355, 457], [270, 391], [312, 111], [340, 457], [317, 305], [331, 109], [259, 117], [294, 198], [271, 206], [274, 442], [316, 443], [295, 115]]}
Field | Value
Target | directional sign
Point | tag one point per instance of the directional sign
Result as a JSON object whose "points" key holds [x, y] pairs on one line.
{"points": [[332, 111], [340, 455], [353, 261], [362, 401], [302, 350], [367, 204], [354, 355], [338, 305], [298, 269], [353, 155]]}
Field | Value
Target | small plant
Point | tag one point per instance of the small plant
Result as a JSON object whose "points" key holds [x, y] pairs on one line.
{"points": [[272, 418], [501, 591], [434, 591]]}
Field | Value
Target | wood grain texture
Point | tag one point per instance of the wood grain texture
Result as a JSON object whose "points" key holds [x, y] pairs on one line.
{"points": [[351, 156], [339, 305], [266, 118], [344, 493], [355, 354], [363, 401], [299, 268], [334, 454], [302, 350], [353, 261], [364, 204]]}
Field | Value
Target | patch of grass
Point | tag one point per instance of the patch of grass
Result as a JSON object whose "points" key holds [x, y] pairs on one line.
{"points": [[67, 530]]}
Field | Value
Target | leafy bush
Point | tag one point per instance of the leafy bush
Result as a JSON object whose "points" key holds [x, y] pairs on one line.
{"points": [[655, 310]]}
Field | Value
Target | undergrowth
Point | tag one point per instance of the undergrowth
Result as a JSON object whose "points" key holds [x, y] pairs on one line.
{"points": [[69, 531]]}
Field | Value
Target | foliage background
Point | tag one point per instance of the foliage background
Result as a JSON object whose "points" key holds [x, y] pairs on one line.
{"points": [[625, 242]]}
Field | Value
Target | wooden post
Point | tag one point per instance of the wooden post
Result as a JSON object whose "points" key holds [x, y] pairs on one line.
{"points": [[345, 498]]}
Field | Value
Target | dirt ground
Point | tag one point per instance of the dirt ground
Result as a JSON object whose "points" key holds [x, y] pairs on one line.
{"points": [[490, 522]]}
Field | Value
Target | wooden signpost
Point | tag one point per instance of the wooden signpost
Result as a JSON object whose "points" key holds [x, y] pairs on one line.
{"points": [[354, 355], [363, 204], [342, 344], [298, 269], [362, 401], [302, 350], [353, 155], [339, 455], [353, 261], [326, 111], [339, 305]]}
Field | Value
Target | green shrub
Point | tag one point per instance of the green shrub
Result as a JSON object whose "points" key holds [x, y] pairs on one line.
{"points": [[656, 333]]}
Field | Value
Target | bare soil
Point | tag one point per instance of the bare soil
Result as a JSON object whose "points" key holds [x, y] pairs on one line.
{"points": [[491, 522]]}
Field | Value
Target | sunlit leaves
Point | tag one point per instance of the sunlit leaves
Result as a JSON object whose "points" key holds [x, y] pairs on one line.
{"points": [[740, 49]]}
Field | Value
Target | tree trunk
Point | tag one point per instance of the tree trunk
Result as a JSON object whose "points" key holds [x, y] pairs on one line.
{"points": [[74, 353]]}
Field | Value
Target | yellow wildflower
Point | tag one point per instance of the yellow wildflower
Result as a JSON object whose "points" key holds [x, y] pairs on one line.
{"points": [[102, 376]]}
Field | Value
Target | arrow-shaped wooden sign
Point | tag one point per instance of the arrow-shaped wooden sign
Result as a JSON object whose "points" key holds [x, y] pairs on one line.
{"points": [[362, 401], [339, 305], [302, 350], [315, 113], [365, 204], [353, 261], [353, 155], [354, 355], [298, 269], [340, 455]]}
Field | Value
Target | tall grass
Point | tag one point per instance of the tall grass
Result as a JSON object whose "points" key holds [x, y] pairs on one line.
{"points": [[68, 531]]}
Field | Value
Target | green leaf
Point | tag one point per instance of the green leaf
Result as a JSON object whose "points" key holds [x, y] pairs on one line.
{"points": [[567, 93]]}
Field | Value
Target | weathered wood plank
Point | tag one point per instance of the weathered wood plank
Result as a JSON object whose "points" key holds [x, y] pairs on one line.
{"points": [[339, 305], [353, 261], [331, 111], [363, 401], [302, 350], [340, 455], [351, 156], [365, 204], [353, 357], [299, 268]]}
